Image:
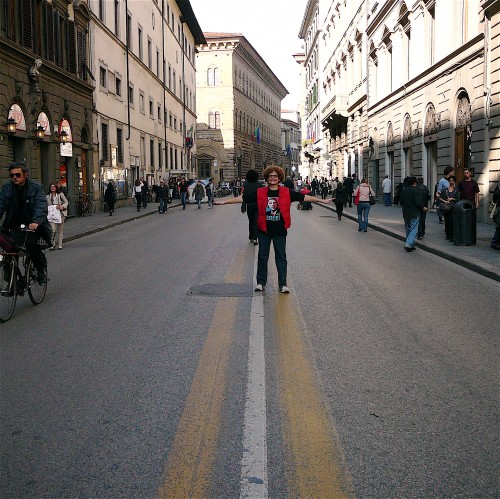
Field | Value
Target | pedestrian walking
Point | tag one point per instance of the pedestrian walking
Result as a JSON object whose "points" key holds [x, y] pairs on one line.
{"points": [[249, 204], [145, 193], [365, 191], [386, 189], [339, 197], [210, 192], [57, 203], [349, 188], [273, 221], [198, 193], [183, 192], [425, 196], [138, 193], [162, 192], [324, 188], [110, 197], [411, 202], [495, 216]]}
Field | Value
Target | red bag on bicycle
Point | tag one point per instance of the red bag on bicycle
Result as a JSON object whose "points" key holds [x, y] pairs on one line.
{"points": [[7, 244]]}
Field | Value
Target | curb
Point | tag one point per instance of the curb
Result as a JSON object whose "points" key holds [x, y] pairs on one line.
{"points": [[475, 267]]}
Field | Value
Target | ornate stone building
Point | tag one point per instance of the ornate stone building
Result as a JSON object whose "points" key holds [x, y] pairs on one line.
{"points": [[408, 87], [238, 105], [46, 92]]}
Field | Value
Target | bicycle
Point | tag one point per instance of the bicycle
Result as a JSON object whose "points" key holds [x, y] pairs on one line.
{"points": [[84, 205], [17, 273]]}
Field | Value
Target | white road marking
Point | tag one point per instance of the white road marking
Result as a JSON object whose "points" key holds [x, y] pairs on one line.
{"points": [[253, 482]]}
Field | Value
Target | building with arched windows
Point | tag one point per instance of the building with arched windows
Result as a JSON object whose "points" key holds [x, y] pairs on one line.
{"points": [[239, 107], [406, 88], [46, 92]]}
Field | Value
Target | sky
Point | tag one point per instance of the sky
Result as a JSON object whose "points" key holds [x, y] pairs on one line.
{"points": [[271, 27]]}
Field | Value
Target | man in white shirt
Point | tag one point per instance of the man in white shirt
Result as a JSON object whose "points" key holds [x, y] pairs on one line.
{"points": [[386, 187]]}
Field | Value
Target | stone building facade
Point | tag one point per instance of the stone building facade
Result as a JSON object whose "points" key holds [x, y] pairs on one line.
{"points": [[239, 106], [143, 59], [408, 87], [46, 92]]}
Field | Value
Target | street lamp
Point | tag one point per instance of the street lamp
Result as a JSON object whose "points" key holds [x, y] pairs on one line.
{"points": [[63, 136], [40, 133], [11, 126]]}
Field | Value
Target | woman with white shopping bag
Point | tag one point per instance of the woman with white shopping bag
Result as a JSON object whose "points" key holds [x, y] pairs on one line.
{"points": [[57, 212]]}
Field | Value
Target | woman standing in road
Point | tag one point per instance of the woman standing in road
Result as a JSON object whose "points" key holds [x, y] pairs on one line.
{"points": [[273, 221], [365, 191]]}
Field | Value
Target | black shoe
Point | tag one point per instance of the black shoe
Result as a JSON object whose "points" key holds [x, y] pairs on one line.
{"points": [[42, 277], [407, 248], [359, 230]]}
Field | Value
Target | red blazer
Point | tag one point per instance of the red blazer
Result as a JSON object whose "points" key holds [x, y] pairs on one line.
{"points": [[284, 203]]}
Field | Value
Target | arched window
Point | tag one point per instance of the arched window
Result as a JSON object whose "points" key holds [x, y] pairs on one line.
{"points": [[404, 22], [211, 120], [217, 119]]}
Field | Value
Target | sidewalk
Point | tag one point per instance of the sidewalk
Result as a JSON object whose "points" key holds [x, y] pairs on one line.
{"points": [[387, 219], [480, 258]]}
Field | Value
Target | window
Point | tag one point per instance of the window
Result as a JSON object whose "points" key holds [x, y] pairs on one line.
{"points": [[101, 10], [117, 18], [150, 54], [169, 76], [213, 77], [159, 113], [131, 94], [129, 30], [104, 141], [157, 63], [139, 35], [171, 157], [152, 152], [141, 102], [119, 143], [102, 77], [170, 119], [151, 112], [214, 119], [160, 156], [175, 88], [118, 86], [175, 123]]}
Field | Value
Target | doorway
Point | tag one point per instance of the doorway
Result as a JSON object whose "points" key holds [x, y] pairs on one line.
{"points": [[431, 173]]}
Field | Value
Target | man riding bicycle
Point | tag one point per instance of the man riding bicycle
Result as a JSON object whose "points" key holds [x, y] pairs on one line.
{"points": [[23, 202]]}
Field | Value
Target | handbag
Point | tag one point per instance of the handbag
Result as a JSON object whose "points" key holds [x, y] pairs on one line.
{"points": [[445, 207], [372, 200], [356, 199], [54, 215]]}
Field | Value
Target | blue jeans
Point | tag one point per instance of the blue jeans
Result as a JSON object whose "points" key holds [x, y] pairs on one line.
{"points": [[163, 205], [387, 198], [210, 200], [279, 244], [411, 228], [363, 210], [198, 202], [183, 200]]}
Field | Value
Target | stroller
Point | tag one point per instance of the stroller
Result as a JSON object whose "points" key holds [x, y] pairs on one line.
{"points": [[305, 205]]}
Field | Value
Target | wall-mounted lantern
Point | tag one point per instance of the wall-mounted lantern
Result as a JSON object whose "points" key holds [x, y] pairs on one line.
{"points": [[63, 136], [11, 126], [40, 133]]}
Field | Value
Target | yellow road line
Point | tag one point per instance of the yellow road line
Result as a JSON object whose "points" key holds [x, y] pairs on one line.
{"points": [[317, 468], [193, 451]]}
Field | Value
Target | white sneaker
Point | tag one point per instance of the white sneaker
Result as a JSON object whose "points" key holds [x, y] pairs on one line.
{"points": [[284, 289], [259, 287]]}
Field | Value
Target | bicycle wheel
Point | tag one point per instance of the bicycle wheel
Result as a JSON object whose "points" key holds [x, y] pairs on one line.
{"points": [[36, 291], [8, 289]]}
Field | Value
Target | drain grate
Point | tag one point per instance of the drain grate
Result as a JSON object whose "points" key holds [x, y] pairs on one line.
{"points": [[222, 290]]}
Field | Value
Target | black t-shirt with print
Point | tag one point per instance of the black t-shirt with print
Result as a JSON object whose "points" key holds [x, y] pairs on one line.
{"points": [[274, 221]]}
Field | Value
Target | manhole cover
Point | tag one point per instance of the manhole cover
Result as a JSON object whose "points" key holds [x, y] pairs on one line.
{"points": [[221, 290]]}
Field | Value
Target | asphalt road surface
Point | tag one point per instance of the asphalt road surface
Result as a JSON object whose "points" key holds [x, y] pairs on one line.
{"points": [[152, 369]]}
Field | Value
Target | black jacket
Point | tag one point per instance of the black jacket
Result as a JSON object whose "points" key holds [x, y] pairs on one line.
{"points": [[411, 202], [340, 195], [36, 201]]}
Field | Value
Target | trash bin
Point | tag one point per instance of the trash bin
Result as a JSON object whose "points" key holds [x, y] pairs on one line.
{"points": [[464, 223]]}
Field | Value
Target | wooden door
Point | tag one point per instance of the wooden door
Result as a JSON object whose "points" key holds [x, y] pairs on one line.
{"points": [[460, 144]]}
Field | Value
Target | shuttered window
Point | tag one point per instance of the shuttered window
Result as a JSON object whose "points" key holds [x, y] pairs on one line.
{"points": [[105, 141], [71, 48], [50, 32], [27, 25]]}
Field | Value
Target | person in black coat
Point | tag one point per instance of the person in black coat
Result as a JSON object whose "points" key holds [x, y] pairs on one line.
{"points": [[412, 204], [110, 197], [249, 194], [162, 192], [339, 197], [349, 189]]}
